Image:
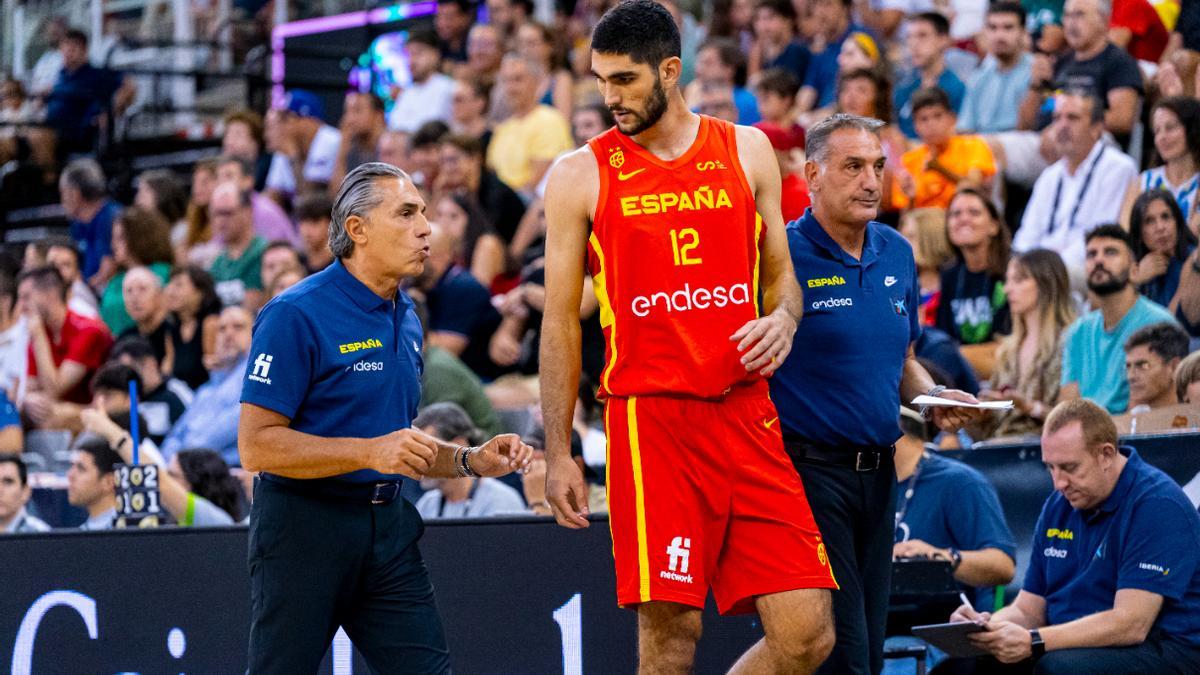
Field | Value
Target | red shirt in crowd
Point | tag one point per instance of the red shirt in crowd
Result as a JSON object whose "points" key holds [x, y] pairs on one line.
{"points": [[795, 197], [84, 341], [1149, 34]]}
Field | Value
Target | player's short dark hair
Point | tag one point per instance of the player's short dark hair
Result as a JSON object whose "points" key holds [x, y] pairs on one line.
{"points": [[314, 206], [930, 97], [22, 468], [1110, 231], [1166, 339], [779, 81], [643, 30], [44, 278], [423, 37], [135, 347], [941, 25], [429, 133], [1008, 7], [782, 8], [115, 377]]}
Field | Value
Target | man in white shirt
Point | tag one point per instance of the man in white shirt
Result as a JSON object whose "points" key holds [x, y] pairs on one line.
{"points": [[428, 96], [15, 494], [308, 147], [1079, 191]]}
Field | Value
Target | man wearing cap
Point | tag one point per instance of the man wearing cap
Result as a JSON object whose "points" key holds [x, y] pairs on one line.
{"points": [[308, 147], [326, 418]]}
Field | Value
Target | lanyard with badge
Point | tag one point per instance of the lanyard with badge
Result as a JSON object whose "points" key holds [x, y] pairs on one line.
{"points": [[910, 490], [466, 508], [1087, 181]]}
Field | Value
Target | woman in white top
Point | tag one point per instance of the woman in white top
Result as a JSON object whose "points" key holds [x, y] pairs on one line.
{"points": [[1175, 123]]}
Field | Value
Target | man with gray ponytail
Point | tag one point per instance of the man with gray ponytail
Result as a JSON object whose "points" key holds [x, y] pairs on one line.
{"points": [[328, 400]]}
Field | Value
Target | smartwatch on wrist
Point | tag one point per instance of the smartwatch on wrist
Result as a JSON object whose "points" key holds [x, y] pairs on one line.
{"points": [[955, 558], [1036, 643]]}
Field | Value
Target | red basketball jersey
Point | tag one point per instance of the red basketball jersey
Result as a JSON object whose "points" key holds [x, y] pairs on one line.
{"points": [[674, 253]]}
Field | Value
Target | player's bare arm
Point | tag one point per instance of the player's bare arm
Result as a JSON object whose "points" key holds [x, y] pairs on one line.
{"points": [[766, 341], [571, 194]]}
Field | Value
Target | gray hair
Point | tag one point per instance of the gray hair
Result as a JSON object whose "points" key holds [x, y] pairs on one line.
{"points": [[816, 144], [86, 176], [358, 194], [1098, 106], [449, 421]]}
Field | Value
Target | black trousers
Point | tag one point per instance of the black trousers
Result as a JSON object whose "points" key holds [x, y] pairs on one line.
{"points": [[319, 562], [1157, 655], [856, 514]]}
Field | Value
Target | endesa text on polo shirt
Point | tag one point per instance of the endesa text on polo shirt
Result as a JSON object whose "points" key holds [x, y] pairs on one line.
{"points": [[369, 343]]}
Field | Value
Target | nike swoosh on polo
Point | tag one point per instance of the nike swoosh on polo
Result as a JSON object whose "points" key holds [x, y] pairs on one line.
{"points": [[626, 176], [889, 281]]}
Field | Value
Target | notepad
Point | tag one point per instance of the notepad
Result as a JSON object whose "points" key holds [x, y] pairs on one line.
{"points": [[938, 401]]}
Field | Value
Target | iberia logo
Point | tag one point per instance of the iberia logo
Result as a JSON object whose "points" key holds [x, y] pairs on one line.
{"points": [[616, 158]]}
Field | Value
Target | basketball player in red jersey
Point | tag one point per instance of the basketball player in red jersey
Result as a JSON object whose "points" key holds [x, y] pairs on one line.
{"points": [[677, 217]]}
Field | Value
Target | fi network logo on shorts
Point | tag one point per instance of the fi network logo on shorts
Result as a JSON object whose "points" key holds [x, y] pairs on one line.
{"points": [[262, 368], [679, 554]]}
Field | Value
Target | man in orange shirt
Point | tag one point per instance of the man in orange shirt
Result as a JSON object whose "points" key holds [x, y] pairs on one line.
{"points": [[933, 170]]}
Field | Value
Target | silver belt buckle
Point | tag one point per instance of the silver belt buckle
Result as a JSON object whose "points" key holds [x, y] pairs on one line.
{"points": [[385, 493], [864, 461]]}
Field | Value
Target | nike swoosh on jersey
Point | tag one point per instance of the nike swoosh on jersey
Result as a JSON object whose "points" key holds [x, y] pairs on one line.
{"points": [[769, 423], [626, 176]]}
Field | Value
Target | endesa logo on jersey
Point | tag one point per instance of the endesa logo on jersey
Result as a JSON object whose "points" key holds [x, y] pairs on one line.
{"points": [[688, 298], [700, 199]]}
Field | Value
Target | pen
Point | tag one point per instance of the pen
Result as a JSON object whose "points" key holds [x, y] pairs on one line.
{"points": [[963, 596]]}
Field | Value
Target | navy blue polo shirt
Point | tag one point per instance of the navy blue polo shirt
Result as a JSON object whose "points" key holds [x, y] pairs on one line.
{"points": [[8, 413], [953, 505], [1146, 535], [95, 237], [337, 360], [840, 385]]}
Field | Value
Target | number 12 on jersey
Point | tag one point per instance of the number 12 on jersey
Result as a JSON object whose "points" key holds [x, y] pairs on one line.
{"points": [[683, 243]]}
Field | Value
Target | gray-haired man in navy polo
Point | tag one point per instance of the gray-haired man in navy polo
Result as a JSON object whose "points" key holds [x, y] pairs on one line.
{"points": [[330, 392], [852, 364]]}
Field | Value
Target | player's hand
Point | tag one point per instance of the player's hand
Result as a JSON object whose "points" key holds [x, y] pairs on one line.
{"points": [[1005, 640], [765, 342], [967, 614], [501, 456], [950, 418], [408, 452], [566, 492]]}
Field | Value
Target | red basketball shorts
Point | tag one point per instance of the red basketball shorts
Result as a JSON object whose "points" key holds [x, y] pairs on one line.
{"points": [[701, 495]]}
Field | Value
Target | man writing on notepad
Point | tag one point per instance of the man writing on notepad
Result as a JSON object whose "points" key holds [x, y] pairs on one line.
{"points": [[1113, 584]]}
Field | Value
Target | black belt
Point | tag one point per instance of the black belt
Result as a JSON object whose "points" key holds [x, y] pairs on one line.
{"points": [[382, 492], [861, 458]]}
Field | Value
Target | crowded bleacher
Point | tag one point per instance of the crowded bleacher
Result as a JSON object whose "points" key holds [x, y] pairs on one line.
{"points": [[1043, 160]]}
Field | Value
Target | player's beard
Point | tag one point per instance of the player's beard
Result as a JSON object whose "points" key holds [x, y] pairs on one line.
{"points": [[656, 106]]}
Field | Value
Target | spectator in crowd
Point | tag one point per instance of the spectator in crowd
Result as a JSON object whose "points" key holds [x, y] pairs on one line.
{"points": [[995, 89], [196, 244], [1136, 27], [82, 95], [427, 97], [1152, 354], [589, 121], [237, 268], [62, 253], [947, 510], [146, 304], [283, 281], [461, 497], [721, 64], [867, 92], [160, 190], [468, 110], [485, 51], [835, 27], [280, 257], [717, 100], [1162, 244], [1175, 123], [65, 349], [1028, 366], [192, 299], [1079, 191], [188, 508], [307, 148], [90, 481], [85, 201], [945, 160], [49, 65], [524, 145], [203, 473], [788, 143], [461, 316], [15, 494], [926, 40], [1113, 581], [776, 43], [481, 250], [270, 221], [110, 392], [452, 21], [536, 42], [925, 229], [1187, 379], [1093, 357], [446, 378], [463, 168], [14, 337], [12, 438], [140, 239], [163, 399], [243, 138], [973, 308], [313, 213], [211, 420], [423, 150], [363, 122], [506, 15], [776, 92]]}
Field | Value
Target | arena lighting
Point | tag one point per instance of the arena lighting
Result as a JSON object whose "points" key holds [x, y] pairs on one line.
{"points": [[325, 24]]}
